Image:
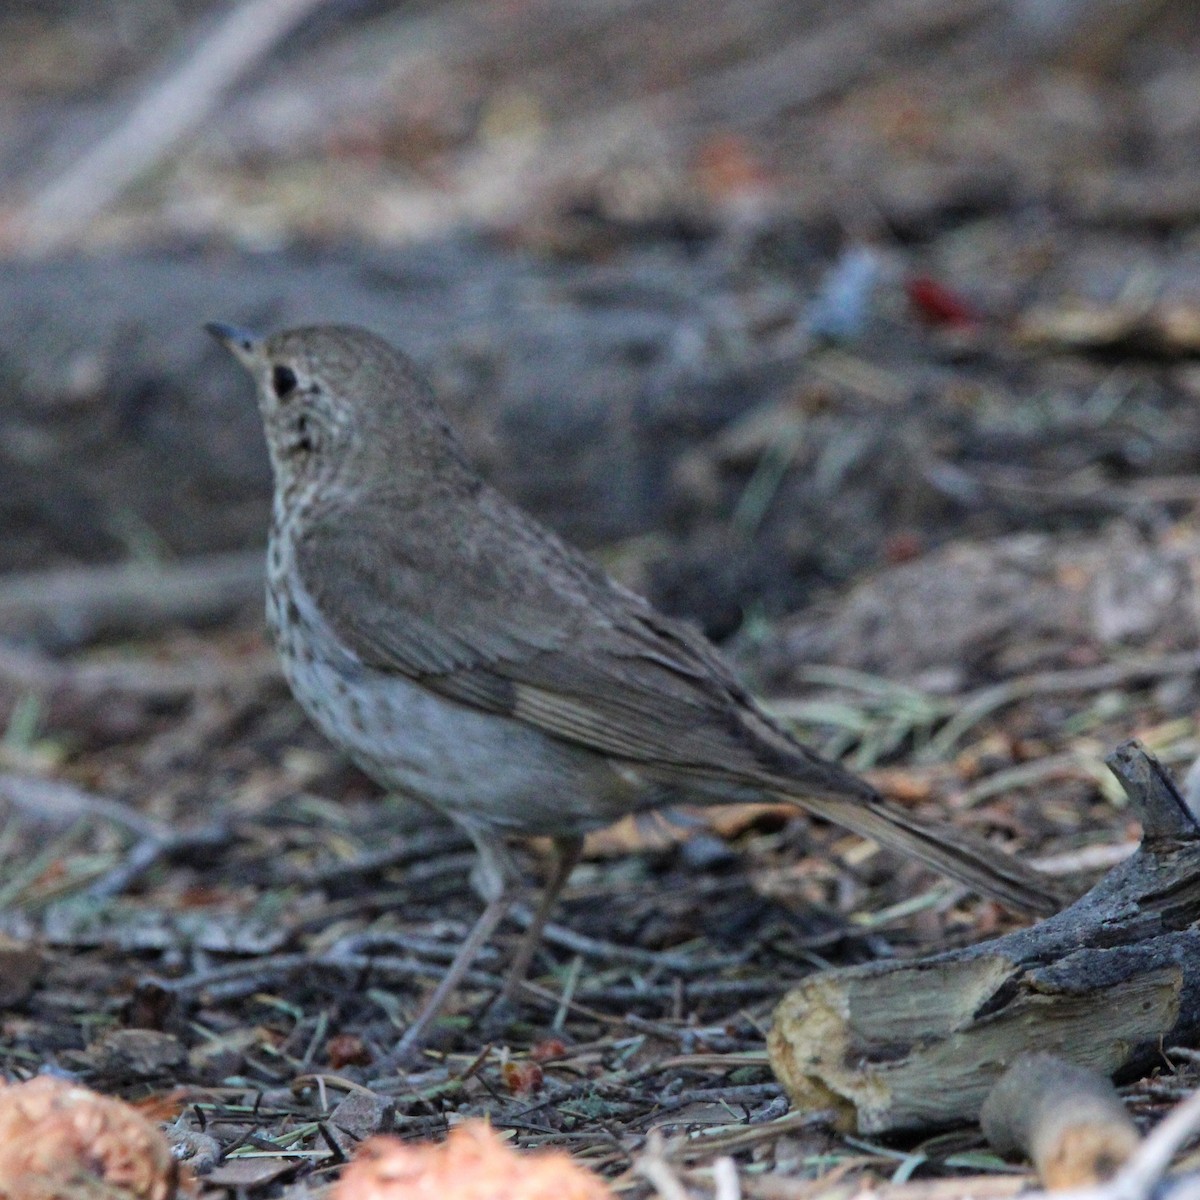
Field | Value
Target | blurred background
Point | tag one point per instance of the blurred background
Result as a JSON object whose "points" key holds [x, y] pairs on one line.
{"points": [[755, 296]]}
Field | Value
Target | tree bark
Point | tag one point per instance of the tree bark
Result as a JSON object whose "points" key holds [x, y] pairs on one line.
{"points": [[1106, 984]]}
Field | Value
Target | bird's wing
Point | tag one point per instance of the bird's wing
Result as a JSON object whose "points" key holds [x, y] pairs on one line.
{"points": [[513, 621]]}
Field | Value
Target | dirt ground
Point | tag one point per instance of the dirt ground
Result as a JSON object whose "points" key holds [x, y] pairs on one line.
{"points": [[865, 336]]}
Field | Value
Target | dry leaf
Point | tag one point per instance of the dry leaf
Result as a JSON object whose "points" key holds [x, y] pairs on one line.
{"points": [[471, 1164]]}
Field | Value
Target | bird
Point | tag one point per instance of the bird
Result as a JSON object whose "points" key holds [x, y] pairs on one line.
{"points": [[460, 652]]}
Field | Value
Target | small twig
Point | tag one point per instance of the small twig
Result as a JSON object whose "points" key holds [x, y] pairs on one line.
{"points": [[610, 952], [373, 941], [239, 979], [60, 803], [568, 994], [726, 1141], [978, 705], [619, 1080], [74, 605], [1087, 858], [653, 1167], [166, 113], [27, 671], [1037, 489], [708, 989], [235, 980], [726, 1093], [1068, 765], [831, 1184], [533, 991], [151, 850], [399, 968], [326, 1079], [424, 844], [725, 1179], [1137, 1178]]}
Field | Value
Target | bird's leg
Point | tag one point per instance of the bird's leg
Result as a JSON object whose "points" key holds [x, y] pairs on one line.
{"points": [[492, 878], [566, 854]]}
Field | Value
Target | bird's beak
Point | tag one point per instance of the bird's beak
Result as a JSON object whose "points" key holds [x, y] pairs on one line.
{"points": [[245, 346]]}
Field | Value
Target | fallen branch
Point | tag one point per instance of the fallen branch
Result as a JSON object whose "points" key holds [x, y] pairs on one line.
{"points": [[909, 1045], [1068, 1121], [1141, 1178], [166, 113], [71, 607], [58, 803], [26, 671]]}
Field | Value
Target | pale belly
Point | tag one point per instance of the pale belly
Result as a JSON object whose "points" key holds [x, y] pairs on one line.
{"points": [[482, 770]]}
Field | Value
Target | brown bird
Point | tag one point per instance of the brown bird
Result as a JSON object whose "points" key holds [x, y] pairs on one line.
{"points": [[463, 654]]}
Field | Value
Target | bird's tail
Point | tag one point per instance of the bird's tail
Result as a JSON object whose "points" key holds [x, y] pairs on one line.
{"points": [[967, 859]]}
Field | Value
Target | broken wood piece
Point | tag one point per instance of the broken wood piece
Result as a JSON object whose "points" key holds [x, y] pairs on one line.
{"points": [[69, 607], [918, 1045], [1166, 331], [1160, 806], [1066, 1119]]}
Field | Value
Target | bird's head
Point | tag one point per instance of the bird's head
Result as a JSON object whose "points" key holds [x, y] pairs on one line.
{"points": [[339, 403]]}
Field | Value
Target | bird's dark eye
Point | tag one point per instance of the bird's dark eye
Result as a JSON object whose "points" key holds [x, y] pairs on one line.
{"points": [[283, 381]]}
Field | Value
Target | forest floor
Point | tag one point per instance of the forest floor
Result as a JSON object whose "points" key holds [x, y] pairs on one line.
{"points": [[955, 549]]}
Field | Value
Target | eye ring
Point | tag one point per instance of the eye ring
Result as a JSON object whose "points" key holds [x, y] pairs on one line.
{"points": [[283, 382]]}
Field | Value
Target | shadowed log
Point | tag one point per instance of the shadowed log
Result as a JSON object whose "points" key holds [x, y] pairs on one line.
{"points": [[1105, 984]]}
